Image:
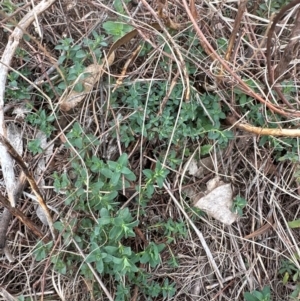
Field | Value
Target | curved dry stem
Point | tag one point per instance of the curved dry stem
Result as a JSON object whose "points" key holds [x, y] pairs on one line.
{"points": [[210, 51]]}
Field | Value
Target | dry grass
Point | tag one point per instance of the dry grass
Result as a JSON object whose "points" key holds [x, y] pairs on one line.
{"points": [[269, 186]]}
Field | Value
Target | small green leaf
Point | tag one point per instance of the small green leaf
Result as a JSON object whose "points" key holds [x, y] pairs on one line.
{"points": [[113, 165], [111, 249], [148, 173], [205, 149], [250, 297], [106, 172], [294, 224], [99, 266], [116, 29], [149, 190], [115, 178], [213, 135], [125, 170], [81, 54], [123, 160], [130, 177], [104, 220]]}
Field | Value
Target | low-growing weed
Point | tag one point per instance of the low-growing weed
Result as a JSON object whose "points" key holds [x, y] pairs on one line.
{"points": [[263, 295], [239, 203], [106, 233], [290, 273], [35, 146], [145, 119], [43, 121]]}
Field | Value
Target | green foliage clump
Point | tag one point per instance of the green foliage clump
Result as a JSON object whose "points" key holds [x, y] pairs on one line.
{"points": [[17, 86], [143, 101], [270, 6], [291, 273], [263, 295], [239, 203], [106, 234], [42, 121]]}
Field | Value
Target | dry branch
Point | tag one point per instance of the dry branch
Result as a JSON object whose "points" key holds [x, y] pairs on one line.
{"points": [[31, 181], [270, 35], [263, 131], [6, 160], [13, 42], [4, 222], [23, 218], [6, 215], [291, 50], [237, 22], [242, 85]]}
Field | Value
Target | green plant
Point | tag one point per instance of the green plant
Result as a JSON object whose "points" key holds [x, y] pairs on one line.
{"points": [[116, 29], [7, 6], [23, 298], [17, 86], [42, 250], [154, 177], [35, 146], [173, 230], [106, 237], [263, 295], [172, 262], [151, 254], [295, 294], [74, 58], [270, 6], [42, 121], [120, 27], [239, 203], [194, 121], [168, 289], [289, 270], [22, 54]]}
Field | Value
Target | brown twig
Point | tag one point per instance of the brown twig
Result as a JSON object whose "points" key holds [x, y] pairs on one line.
{"points": [[291, 50], [193, 9], [23, 218], [263, 229], [166, 98], [263, 131], [210, 51], [270, 35], [6, 215], [236, 26], [182, 65], [13, 153], [124, 70], [13, 42]]}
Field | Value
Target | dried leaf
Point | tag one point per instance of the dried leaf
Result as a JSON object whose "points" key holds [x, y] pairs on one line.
{"points": [[162, 13], [20, 111], [71, 100], [193, 9], [172, 24], [14, 136], [41, 215], [39, 171], [201, 167], [217, 201]]}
